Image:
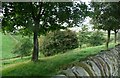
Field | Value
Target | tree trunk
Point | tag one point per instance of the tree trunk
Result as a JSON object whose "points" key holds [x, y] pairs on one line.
{"points": [[36, 45], [115, 35], [119, 37], [108, 39], [80, 46]]}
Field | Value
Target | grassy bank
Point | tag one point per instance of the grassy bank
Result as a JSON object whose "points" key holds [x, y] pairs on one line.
{"points": [[8, 43], [48, 66]]}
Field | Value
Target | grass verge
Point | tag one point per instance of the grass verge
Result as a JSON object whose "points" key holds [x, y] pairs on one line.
{"points": [[48, 66]]}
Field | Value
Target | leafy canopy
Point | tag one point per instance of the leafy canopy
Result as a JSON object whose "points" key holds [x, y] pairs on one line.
{"points": [[106, 15], [23, 17], [59, 42]]}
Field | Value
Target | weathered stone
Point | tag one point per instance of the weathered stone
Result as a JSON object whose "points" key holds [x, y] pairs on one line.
{"points": [[91, 72], [68, 72], [87, 68], [79, 71], [60, 76], [102, 66], [110, 65], [106, 64], [95, 68]]}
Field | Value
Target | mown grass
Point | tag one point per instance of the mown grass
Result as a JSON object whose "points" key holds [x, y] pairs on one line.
{"points": [[7, 62], [8, 43], [48, 66], [0, 45]]}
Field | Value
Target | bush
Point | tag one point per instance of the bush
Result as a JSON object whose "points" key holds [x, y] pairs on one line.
{"points": [[83, 36], [23, 47], [112, 38], [96, 38], [59, 42]]}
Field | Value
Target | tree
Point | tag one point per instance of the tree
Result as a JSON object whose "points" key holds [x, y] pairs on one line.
{"points": [[116, 29], [59, 42], [0, 14], [23, 47], [83, 36], [96, 38], [106, 17], [37, 18], [119, 37], [116, 18]]}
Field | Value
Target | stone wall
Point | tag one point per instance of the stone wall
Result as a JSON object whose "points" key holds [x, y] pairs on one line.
{"points": [[106, 63]]}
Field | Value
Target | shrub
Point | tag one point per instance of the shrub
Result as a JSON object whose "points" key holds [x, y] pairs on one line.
{"points": [[23, 47], [112, 37], [59, 42], [96, 38], [118, 37], [83, 36]]}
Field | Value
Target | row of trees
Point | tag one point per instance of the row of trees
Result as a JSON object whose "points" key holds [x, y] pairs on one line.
{"points": [[37, 18], [106, 16], [60, 41], [89, 38]]}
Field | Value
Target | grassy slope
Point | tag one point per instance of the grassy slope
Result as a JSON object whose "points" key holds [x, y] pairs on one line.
{"points": [[7, 46], [50, 65], [8, 43], [0, 45]]}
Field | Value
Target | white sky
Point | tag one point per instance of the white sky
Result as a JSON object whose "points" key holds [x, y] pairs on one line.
{"points": [[86, 22], [86, 1], [1, 14]]}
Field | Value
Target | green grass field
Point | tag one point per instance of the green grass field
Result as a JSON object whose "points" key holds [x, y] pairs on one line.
{"points": [[8, 43], [48, 66], [0, 45]]}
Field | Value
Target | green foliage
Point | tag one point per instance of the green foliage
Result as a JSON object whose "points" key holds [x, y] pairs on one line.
{"points": [[83, 36], [59, 42], [112, 37], [119, 37], [41, 17], [96, 38], [104, 15], [27, 16], [23, 48]]}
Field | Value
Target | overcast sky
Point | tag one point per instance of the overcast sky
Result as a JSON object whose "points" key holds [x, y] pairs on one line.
{"points": [[86, 21]]}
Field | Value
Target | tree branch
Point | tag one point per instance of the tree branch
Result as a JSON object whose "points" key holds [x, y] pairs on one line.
{"points": [[33, 16], [40, 9]]}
